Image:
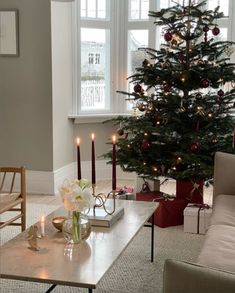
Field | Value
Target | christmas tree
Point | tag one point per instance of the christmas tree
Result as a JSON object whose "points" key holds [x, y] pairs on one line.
{"points": [[184, 95]]}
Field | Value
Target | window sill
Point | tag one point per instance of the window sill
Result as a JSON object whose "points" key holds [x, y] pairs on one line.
{"points": [[95, 118]]}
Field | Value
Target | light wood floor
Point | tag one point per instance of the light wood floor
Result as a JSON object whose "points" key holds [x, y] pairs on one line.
{"points": [[105, 186]]}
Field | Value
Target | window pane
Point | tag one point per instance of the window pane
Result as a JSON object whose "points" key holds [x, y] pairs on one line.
{"points": [[83, 8], [101, 9], [96, 9], [144, 9], [224, 5], [136, 39], [95, 71], [170, 3], [91, 8], [138, 9]]}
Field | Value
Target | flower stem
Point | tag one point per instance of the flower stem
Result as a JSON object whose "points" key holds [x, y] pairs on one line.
{"points": [[76, 227]]}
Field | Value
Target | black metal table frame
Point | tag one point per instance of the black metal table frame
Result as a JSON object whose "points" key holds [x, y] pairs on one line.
{"points": [[151, 225]]}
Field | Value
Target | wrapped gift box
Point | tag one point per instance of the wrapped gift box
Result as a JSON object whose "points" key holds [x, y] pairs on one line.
{"points": [[154, 185], [197, 218], [191, 190], [169, 212]]}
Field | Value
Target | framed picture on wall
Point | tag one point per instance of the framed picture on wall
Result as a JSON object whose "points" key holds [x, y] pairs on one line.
{"points": [[9, 32]]}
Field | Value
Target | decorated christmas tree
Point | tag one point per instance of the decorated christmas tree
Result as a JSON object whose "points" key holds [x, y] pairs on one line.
{"points": [[184, 99]]}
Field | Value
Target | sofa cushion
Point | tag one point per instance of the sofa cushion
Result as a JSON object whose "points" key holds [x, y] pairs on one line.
{"points": [[224, 210], [218, 250]]}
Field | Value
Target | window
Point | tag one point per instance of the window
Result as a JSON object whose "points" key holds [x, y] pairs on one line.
{"points": [[107, 39]]}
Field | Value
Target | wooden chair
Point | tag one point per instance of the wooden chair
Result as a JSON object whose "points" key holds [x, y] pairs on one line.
{"points": [[11, 201]]}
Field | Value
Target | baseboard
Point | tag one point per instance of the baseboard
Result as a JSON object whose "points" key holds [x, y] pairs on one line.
{"points": [[45, 182]]}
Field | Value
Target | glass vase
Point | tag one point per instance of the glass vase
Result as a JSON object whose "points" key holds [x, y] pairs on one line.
{"points": [[76, 228]]}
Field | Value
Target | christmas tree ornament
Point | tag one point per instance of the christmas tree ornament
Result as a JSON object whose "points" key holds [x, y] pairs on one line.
{"points": [[168, 36], [204, 82], [200, 110], [145, 63], [215, 31], [194, 146], [141, 107], [146, 145], [220, 93], [174, 43], [137, 88], [205, 29], [229, 51], [120, 131], [181, 56], [166, 88], [198, 96]]}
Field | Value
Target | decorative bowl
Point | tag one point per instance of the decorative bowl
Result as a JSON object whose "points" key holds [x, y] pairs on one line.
{"points": [[58, 222]]}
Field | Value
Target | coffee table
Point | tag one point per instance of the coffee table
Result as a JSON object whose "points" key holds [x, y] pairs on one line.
{"points": [[79, 265]]}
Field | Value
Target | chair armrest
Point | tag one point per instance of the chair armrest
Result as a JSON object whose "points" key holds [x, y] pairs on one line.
{"points": [[187, 277]]}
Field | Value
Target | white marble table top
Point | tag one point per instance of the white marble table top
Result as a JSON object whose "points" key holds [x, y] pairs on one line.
{"points": [[79, 265]]}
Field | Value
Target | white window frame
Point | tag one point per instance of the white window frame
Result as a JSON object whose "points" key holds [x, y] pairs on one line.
{"points": [[118, 48]]}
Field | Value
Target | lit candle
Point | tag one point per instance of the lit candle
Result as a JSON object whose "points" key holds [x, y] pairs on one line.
{"points": [[93, 181], [42, 225], [78, 159], [114, 164]]}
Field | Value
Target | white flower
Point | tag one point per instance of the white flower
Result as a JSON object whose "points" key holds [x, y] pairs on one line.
{"points": [[77, 195]]}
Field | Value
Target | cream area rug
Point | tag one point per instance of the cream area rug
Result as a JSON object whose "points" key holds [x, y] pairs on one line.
{"points": [[132, 272]]}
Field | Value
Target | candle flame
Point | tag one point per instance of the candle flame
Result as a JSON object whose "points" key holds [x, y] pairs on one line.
{"points": [[114, 138], [78, 141], [42, 218], [92, 136]]}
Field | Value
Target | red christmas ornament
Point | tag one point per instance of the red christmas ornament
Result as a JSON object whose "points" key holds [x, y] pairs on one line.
{"points": [[215, 31], [168, 36], [204, 82], [145, 145], [120, 131], [166, 88], [206, 28], [220, 93], [137, 88], [181, 57], [194, 146]]}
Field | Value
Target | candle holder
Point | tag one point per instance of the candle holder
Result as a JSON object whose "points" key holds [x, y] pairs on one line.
{"points": [[101, 200]]}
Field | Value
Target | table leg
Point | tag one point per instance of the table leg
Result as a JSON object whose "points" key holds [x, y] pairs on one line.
{"points": [[51, 288], [152, 238], [89, 290]]}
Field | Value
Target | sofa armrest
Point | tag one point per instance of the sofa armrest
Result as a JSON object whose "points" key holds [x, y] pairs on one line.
{"points": [[224, 169], [187, 277]]}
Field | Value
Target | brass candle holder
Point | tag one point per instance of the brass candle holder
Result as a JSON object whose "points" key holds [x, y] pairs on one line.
{"points": [[101, 200]]}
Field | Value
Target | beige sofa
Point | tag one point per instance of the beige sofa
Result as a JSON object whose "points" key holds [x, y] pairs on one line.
{"points": [[214, 270]]}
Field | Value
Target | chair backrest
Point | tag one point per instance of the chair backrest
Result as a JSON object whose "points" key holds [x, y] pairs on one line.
{"points": [[224, 174], [8, 184]]}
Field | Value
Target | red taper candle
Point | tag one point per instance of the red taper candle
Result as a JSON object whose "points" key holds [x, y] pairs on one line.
{"points": [[114, 179], [93, 181], [79, 176]]}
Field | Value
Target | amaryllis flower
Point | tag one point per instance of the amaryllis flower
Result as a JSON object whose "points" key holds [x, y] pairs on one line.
{"points": [[77, 195]]}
